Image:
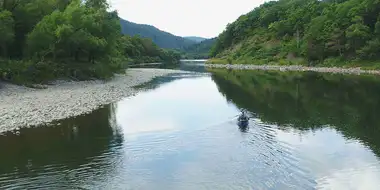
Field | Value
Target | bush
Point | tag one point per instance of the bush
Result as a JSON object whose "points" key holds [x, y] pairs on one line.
{"points": [[331, 62], [22, 72], [216, 61], [284, 62]]}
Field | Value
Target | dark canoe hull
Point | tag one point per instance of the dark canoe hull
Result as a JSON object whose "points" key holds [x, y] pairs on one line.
{"points": [[243, 123]]}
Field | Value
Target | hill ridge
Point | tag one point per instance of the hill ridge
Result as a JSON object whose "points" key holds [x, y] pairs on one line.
{"points": [[160, 37]]}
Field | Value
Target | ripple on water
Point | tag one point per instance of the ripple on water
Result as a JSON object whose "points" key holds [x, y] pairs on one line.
{"points": [[258, 159], [280, 158]]}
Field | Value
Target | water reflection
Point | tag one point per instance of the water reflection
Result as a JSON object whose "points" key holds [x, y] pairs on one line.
{"points": [[308, 100], [158, 81], [337, 163], [194, 66], [168, 111], [244, 128], [311, 112], [53, 157]]}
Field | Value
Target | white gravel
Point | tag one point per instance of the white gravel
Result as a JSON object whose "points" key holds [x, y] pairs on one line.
{"points": [[356, 71], [21, 106]]}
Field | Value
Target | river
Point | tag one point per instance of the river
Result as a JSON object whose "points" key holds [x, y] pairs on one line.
{"points": [[307, 131]]}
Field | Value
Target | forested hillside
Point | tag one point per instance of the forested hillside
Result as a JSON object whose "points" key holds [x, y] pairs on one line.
{"points": [[200, 50], [329, 32], [161, 38], [45, 39]]}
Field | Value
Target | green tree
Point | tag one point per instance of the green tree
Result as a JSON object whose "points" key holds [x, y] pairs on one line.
{"points": [[6, 31], [43, 39], [357, 34]]}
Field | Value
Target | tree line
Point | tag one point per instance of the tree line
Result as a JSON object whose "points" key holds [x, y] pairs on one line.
{"points": [[45, 39], [304, 32]]}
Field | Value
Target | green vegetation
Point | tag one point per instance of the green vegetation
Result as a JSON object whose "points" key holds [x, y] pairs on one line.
{"points": [[161, 38], [304, 32], [143, 50], [200, 50], [42, 40], [307, 100]]}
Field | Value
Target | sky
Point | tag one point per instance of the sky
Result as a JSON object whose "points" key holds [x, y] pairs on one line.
{"points": [[203, 18]]}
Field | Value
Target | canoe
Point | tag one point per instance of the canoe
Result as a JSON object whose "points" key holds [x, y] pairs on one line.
{"points": [[243, 121]]}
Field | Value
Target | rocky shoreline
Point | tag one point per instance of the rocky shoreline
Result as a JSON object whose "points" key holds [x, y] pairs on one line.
{"points": [[341, 70], [22, 107]]}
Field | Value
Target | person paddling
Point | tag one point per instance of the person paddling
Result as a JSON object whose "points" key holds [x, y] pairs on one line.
{"points": [[243, 117], [243, 121]]}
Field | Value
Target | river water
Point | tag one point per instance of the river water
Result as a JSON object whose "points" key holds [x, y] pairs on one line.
{"points": [[307, 131]]}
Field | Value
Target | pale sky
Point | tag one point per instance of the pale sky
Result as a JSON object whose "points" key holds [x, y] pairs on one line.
{"points": [[204, 18]]}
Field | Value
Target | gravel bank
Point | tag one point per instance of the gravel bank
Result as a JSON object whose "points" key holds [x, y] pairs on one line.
{"points": [[357, 71], [21, 106]]}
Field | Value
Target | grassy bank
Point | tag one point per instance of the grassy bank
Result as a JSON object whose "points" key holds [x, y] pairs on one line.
{"points": [[27, 72]]}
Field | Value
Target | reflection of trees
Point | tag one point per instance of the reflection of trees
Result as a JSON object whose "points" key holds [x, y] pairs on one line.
{"points": [[158, 81], [117, 131], [184, 66], [196, 67], [308, 100], [70, 144]]}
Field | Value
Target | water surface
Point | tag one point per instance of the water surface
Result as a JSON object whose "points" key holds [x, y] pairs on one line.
{"points": [[307, 131]]}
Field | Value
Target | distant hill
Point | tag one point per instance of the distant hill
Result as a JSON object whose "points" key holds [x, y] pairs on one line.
{"points": [[195, 38], [161, 38]]}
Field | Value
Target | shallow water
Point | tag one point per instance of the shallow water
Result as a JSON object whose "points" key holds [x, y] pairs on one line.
{"points": [[307, 131]]}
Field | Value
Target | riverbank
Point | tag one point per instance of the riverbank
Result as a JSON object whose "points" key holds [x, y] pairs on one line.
{"points": [[357, 70], [21, 106]]}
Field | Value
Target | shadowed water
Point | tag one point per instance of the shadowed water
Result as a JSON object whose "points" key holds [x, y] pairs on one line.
{"points": [[307, 131]]}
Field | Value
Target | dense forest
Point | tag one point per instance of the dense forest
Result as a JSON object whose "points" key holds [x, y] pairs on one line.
{"points": [[46, 39], [309, 32], [161, 38], [200, 50]]}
